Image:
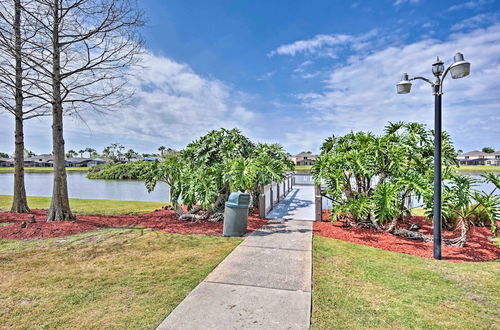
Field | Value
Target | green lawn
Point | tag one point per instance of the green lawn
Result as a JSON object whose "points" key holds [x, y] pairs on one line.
{"points": [[89, 206], [359, 287], [108, 279], [43, 169], [479, 168], [303, 168]]}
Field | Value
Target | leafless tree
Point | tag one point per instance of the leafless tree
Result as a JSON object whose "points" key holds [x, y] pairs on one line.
{"points": [[87, 46], [18, 83]]}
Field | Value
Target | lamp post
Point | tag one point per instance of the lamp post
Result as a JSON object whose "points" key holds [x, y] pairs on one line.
{"points": [[459, 69]]}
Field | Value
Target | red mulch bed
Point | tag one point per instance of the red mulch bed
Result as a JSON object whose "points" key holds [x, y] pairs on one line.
{"points": [[479, 247], [163, 220]]}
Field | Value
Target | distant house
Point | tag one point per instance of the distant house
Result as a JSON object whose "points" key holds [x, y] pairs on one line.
{"points": [[44, 160], [479, 158], [133, 158], [96, 161], [151, 159], [83, 162], [6, 162], [303, 159], [48, 161]]}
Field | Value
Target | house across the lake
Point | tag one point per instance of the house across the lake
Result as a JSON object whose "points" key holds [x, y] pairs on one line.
{"points": [[479, 158], [6, 162], [83, 162], [303, 159], [48, 161]]}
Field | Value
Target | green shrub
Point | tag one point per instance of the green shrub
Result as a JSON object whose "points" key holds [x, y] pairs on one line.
{"points": [[126, 171]]}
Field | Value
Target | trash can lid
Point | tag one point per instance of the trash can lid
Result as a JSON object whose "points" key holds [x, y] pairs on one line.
{"points": [[239, 199], [236, 206]]}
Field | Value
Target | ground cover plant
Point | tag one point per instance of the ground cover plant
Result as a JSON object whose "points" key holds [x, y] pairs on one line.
{"points": [[372, 180], [106, 279], [202, 175], [357, 287]]}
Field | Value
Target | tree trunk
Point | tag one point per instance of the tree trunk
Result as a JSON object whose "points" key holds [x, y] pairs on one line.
{"points": [[59, 206], [19, 203]]}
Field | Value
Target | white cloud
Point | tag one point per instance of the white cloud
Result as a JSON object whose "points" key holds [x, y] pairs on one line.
{"points": [[266, 76], [312, 45], [400, 2], [302, 66], [172, 105], [329, 45], [361, 95], [476, 21], [469, 5]]}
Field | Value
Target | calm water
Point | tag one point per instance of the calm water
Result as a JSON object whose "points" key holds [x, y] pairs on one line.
{"points": [[40, 184]]}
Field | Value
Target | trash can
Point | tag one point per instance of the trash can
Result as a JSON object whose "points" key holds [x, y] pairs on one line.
{"points": [[236, 214]]}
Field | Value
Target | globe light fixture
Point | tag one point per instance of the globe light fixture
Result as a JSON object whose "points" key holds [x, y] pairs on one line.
{"points": [[459, 69], [438, 67], [404, 86]]}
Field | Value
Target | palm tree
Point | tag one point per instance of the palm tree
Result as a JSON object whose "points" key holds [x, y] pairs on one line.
{"points": [[90, 151], [129, 154], [71, 154], [161, 149], [81, 152]]}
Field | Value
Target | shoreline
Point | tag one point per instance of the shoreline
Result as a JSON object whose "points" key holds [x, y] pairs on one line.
{"points": [[43, 169]]}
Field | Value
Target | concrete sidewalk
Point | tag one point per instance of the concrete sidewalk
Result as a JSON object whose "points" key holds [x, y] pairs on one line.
{"points": [[265, 283]]}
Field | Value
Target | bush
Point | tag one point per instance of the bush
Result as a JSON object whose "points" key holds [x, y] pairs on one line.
{"points": [[126, 171]]}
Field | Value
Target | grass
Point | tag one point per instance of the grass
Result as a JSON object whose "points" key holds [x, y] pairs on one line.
{"points": [[304, 168], [109, 279], [89, 206], [43, 169], [419, 212], [358, 287], [479, 168]]}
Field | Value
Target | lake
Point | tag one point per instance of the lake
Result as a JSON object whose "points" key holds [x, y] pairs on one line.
{"points": [[40, 184]]}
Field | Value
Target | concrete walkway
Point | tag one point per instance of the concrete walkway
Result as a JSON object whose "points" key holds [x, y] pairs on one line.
{"points": [[297, 205], [265, 283]]}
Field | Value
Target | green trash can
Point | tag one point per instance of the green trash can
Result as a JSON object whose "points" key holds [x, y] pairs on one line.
{"points": [[236, 214]]}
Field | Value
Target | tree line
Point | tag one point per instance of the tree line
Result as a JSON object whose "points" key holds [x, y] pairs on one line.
{"points": [[61, 57]]}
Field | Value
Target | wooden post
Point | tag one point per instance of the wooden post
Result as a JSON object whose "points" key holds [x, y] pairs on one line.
{"points": [[317, 202], [278, 191]]}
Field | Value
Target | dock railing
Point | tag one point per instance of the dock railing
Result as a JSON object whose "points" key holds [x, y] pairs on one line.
{"points": [[271, 194]]}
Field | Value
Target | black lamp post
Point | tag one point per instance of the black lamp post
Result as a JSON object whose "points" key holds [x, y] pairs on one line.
{"points": [[459, 69]]}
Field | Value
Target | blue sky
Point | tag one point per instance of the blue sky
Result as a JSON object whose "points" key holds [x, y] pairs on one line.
{"points": [[296, 72]]}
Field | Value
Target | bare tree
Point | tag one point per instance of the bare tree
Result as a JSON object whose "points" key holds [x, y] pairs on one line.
{"points": [[87, 47], [18, 81]]}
